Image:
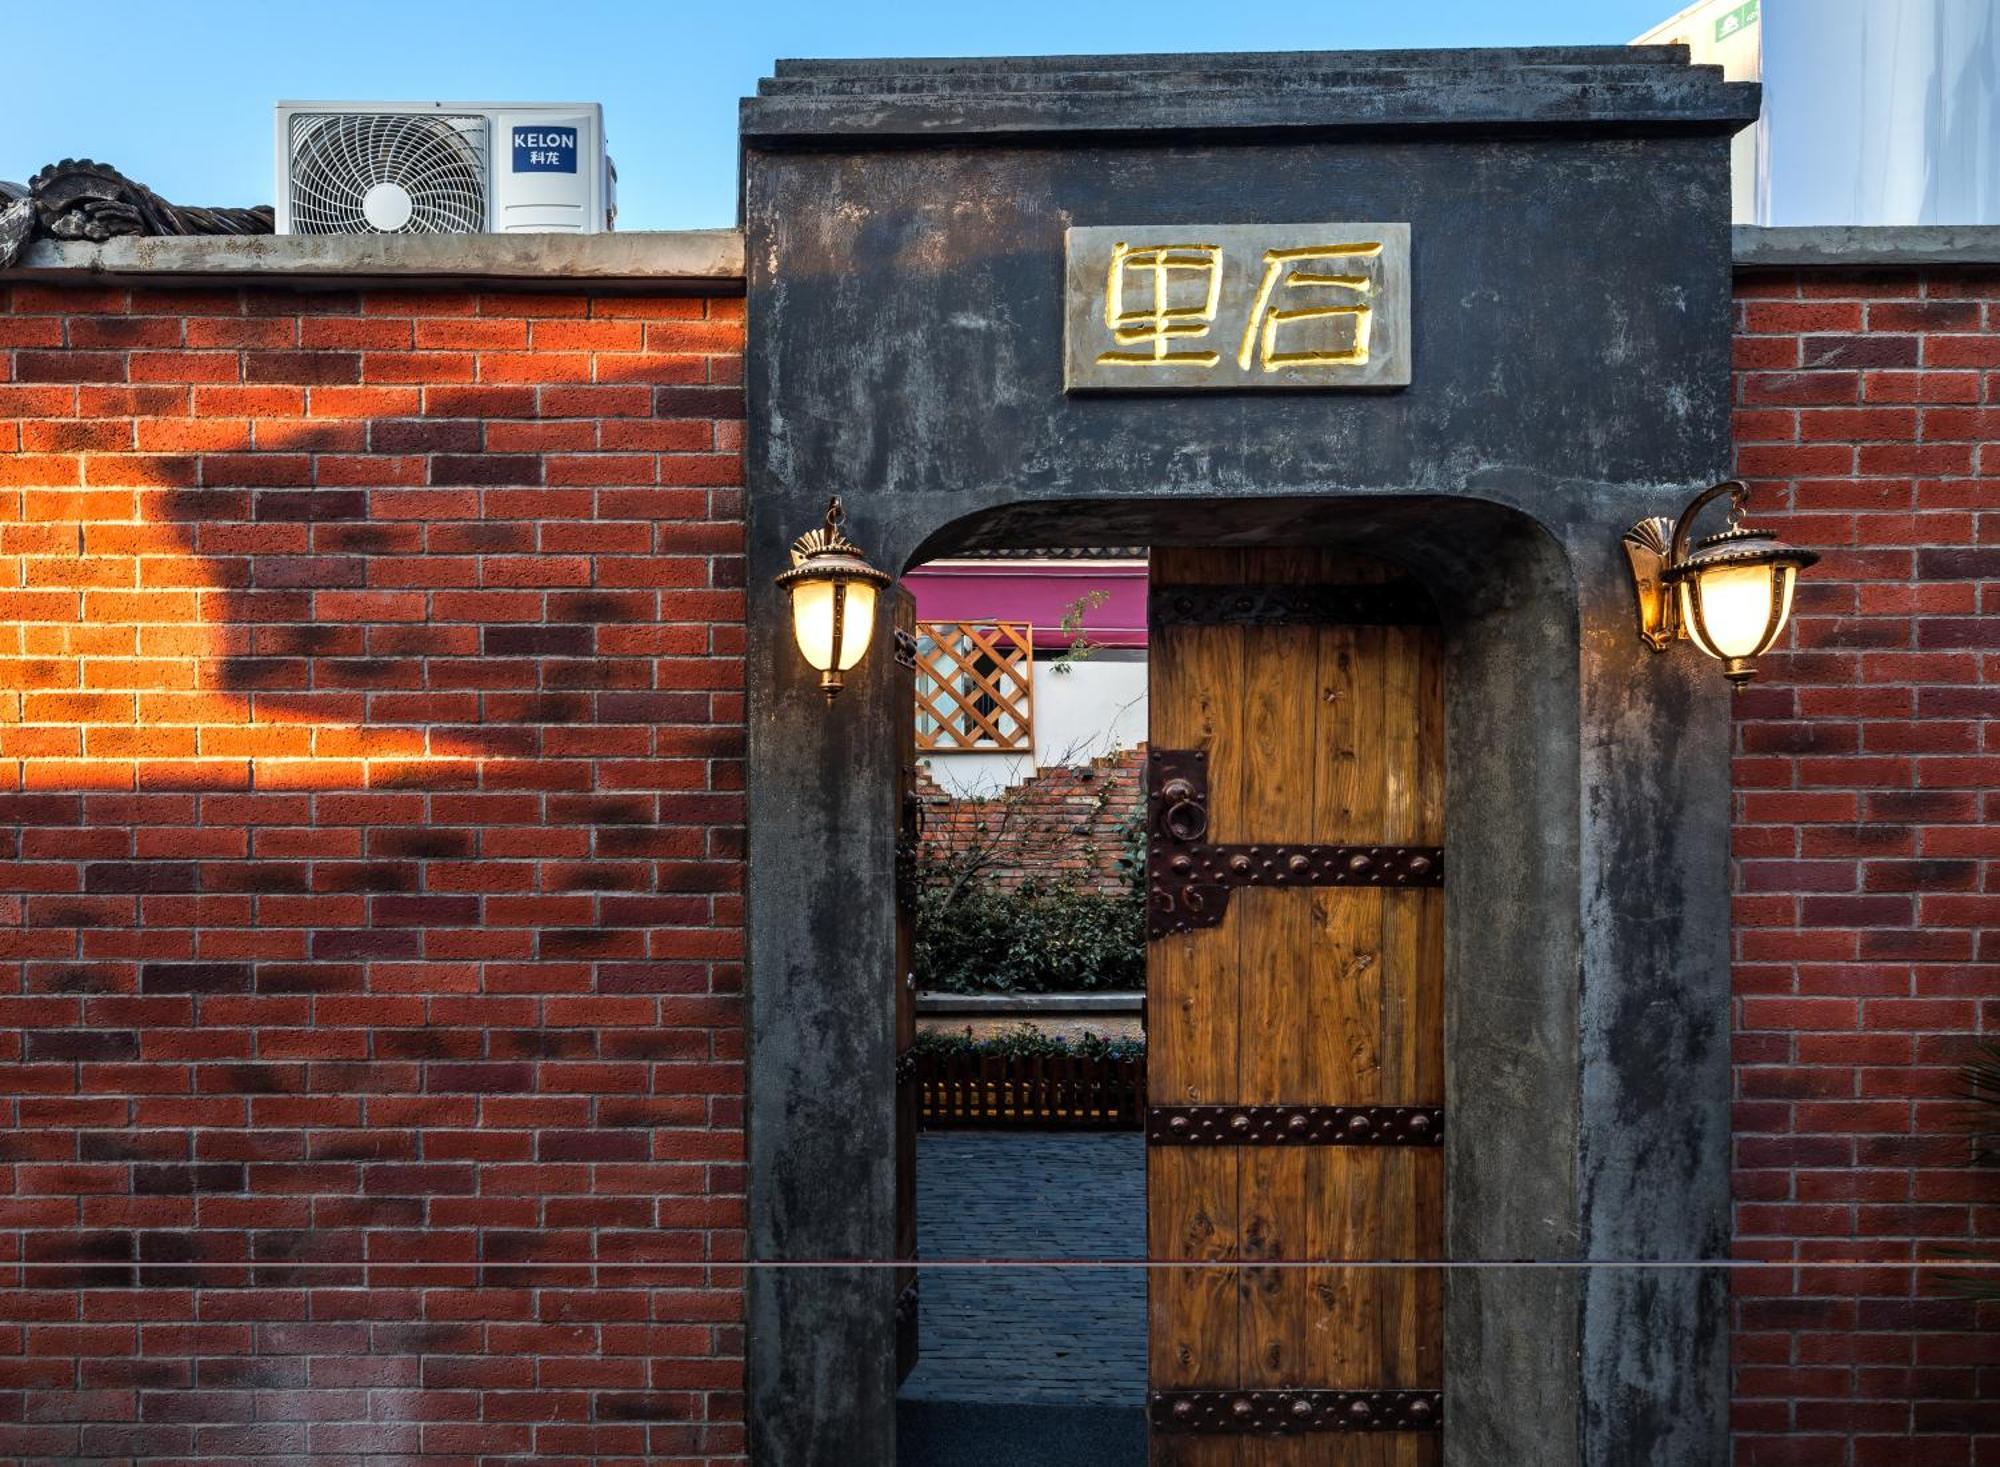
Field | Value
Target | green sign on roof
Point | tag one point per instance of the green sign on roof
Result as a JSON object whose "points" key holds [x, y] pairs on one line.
{"points": [[1742, 17]]}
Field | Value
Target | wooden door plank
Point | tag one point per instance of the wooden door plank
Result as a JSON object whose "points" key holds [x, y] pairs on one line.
{"points": [[1397, 992], [1349, 734], [1275, 802], [1412, 973], [1343, 1345], [1400, 978], [1427, 1079], [1346, 1039], [1427, 1069], [1342, 1063], [1274, 1181], [1368, 1329], [1409, 988], [1195, 698]]}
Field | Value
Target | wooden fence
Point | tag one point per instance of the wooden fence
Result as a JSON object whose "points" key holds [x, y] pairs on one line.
{"points": [[975, 686], [1040, 1092]]}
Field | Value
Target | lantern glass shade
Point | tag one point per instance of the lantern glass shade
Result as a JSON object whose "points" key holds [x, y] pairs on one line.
{"points": [[1737, 611], [833, 590], [814, 601]]}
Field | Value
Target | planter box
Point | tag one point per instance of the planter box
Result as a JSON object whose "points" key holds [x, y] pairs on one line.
{"points": [[1029, 1005], [1042, 1093]]}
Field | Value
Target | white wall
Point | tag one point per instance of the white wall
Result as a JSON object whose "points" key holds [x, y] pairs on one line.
{"points": [[1882, 111], [1096, 707], [1876, 112]]}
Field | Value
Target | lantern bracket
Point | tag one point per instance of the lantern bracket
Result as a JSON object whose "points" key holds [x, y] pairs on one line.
{"points": [[1658, 547], [1676, 581]]}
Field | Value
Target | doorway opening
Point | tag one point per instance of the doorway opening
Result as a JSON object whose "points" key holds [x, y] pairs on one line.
{"points": [[1022, 1076], [1308, 686]]}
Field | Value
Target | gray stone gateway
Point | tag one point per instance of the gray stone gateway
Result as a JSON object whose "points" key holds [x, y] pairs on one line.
{"points": [[1568, 374]]}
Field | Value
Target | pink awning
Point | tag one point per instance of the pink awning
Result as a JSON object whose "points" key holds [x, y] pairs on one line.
{"points": [[1037, 592]]}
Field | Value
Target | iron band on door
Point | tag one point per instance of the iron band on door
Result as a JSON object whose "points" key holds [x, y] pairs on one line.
{"points": [[1282, 1413], [1295, 1125], [1188, 881]]}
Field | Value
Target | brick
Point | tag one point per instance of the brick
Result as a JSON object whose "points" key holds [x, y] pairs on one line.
{"points": [[1963, 563], [308, 367], [472, 335], [353, 333], [486, 468], [70, 366], [1961, 351], [422, 367], [1924, 316], [1796, 318], [418, 435], [1921, 387], [1785, 461], [1871, 350]]}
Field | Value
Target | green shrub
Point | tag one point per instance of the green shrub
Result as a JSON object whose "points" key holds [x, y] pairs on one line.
{"points": [[1028, 1042], [976, 934], [1040, 937]]}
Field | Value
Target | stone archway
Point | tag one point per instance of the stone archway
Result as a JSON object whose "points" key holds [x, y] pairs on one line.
{"points": [[905, 245]]}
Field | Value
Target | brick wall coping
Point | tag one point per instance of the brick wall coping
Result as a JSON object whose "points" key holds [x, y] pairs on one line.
{"points": [[1875, 246], [696, 260], [712, 259]]}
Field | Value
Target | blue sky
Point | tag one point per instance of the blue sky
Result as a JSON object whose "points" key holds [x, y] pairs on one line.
{"points": [[183, 102]]}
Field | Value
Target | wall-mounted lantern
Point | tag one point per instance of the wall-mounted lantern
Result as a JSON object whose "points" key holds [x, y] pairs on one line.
{"points": [[833, 599], [1730, 595]]}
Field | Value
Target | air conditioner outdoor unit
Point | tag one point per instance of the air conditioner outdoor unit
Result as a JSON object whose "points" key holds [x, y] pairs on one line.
{"points": [[443, 168]]}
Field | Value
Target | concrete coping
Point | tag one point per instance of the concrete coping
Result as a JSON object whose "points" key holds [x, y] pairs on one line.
{"points": [[692, 261], [1841, 246], [999, 1005], [699, 261]]}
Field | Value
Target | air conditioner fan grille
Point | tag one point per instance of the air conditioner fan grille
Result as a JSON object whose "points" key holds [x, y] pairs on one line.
{"points": [[388, 173]]}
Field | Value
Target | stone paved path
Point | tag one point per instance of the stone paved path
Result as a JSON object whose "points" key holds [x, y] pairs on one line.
{"points": [[1058, 1334]]}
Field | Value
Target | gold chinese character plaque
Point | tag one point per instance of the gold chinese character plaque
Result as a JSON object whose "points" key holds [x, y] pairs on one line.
{"points": [[1182, 307]]}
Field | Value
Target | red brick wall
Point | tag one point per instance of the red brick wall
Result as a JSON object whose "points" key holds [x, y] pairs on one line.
{"points": [[370, 717], [370, 756], [1868, 890], [1059, 823]]}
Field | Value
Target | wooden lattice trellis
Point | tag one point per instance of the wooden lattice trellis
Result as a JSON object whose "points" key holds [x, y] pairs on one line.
{"points": [[975, 685]]}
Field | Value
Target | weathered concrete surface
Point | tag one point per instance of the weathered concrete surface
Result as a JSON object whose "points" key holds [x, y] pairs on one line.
{"points": [[1079, 99], [696, 258], [1571, 331], [1866, 246]]}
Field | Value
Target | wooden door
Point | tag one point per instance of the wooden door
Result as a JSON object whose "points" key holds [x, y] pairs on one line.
{"points": [[1294, 1012]]}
